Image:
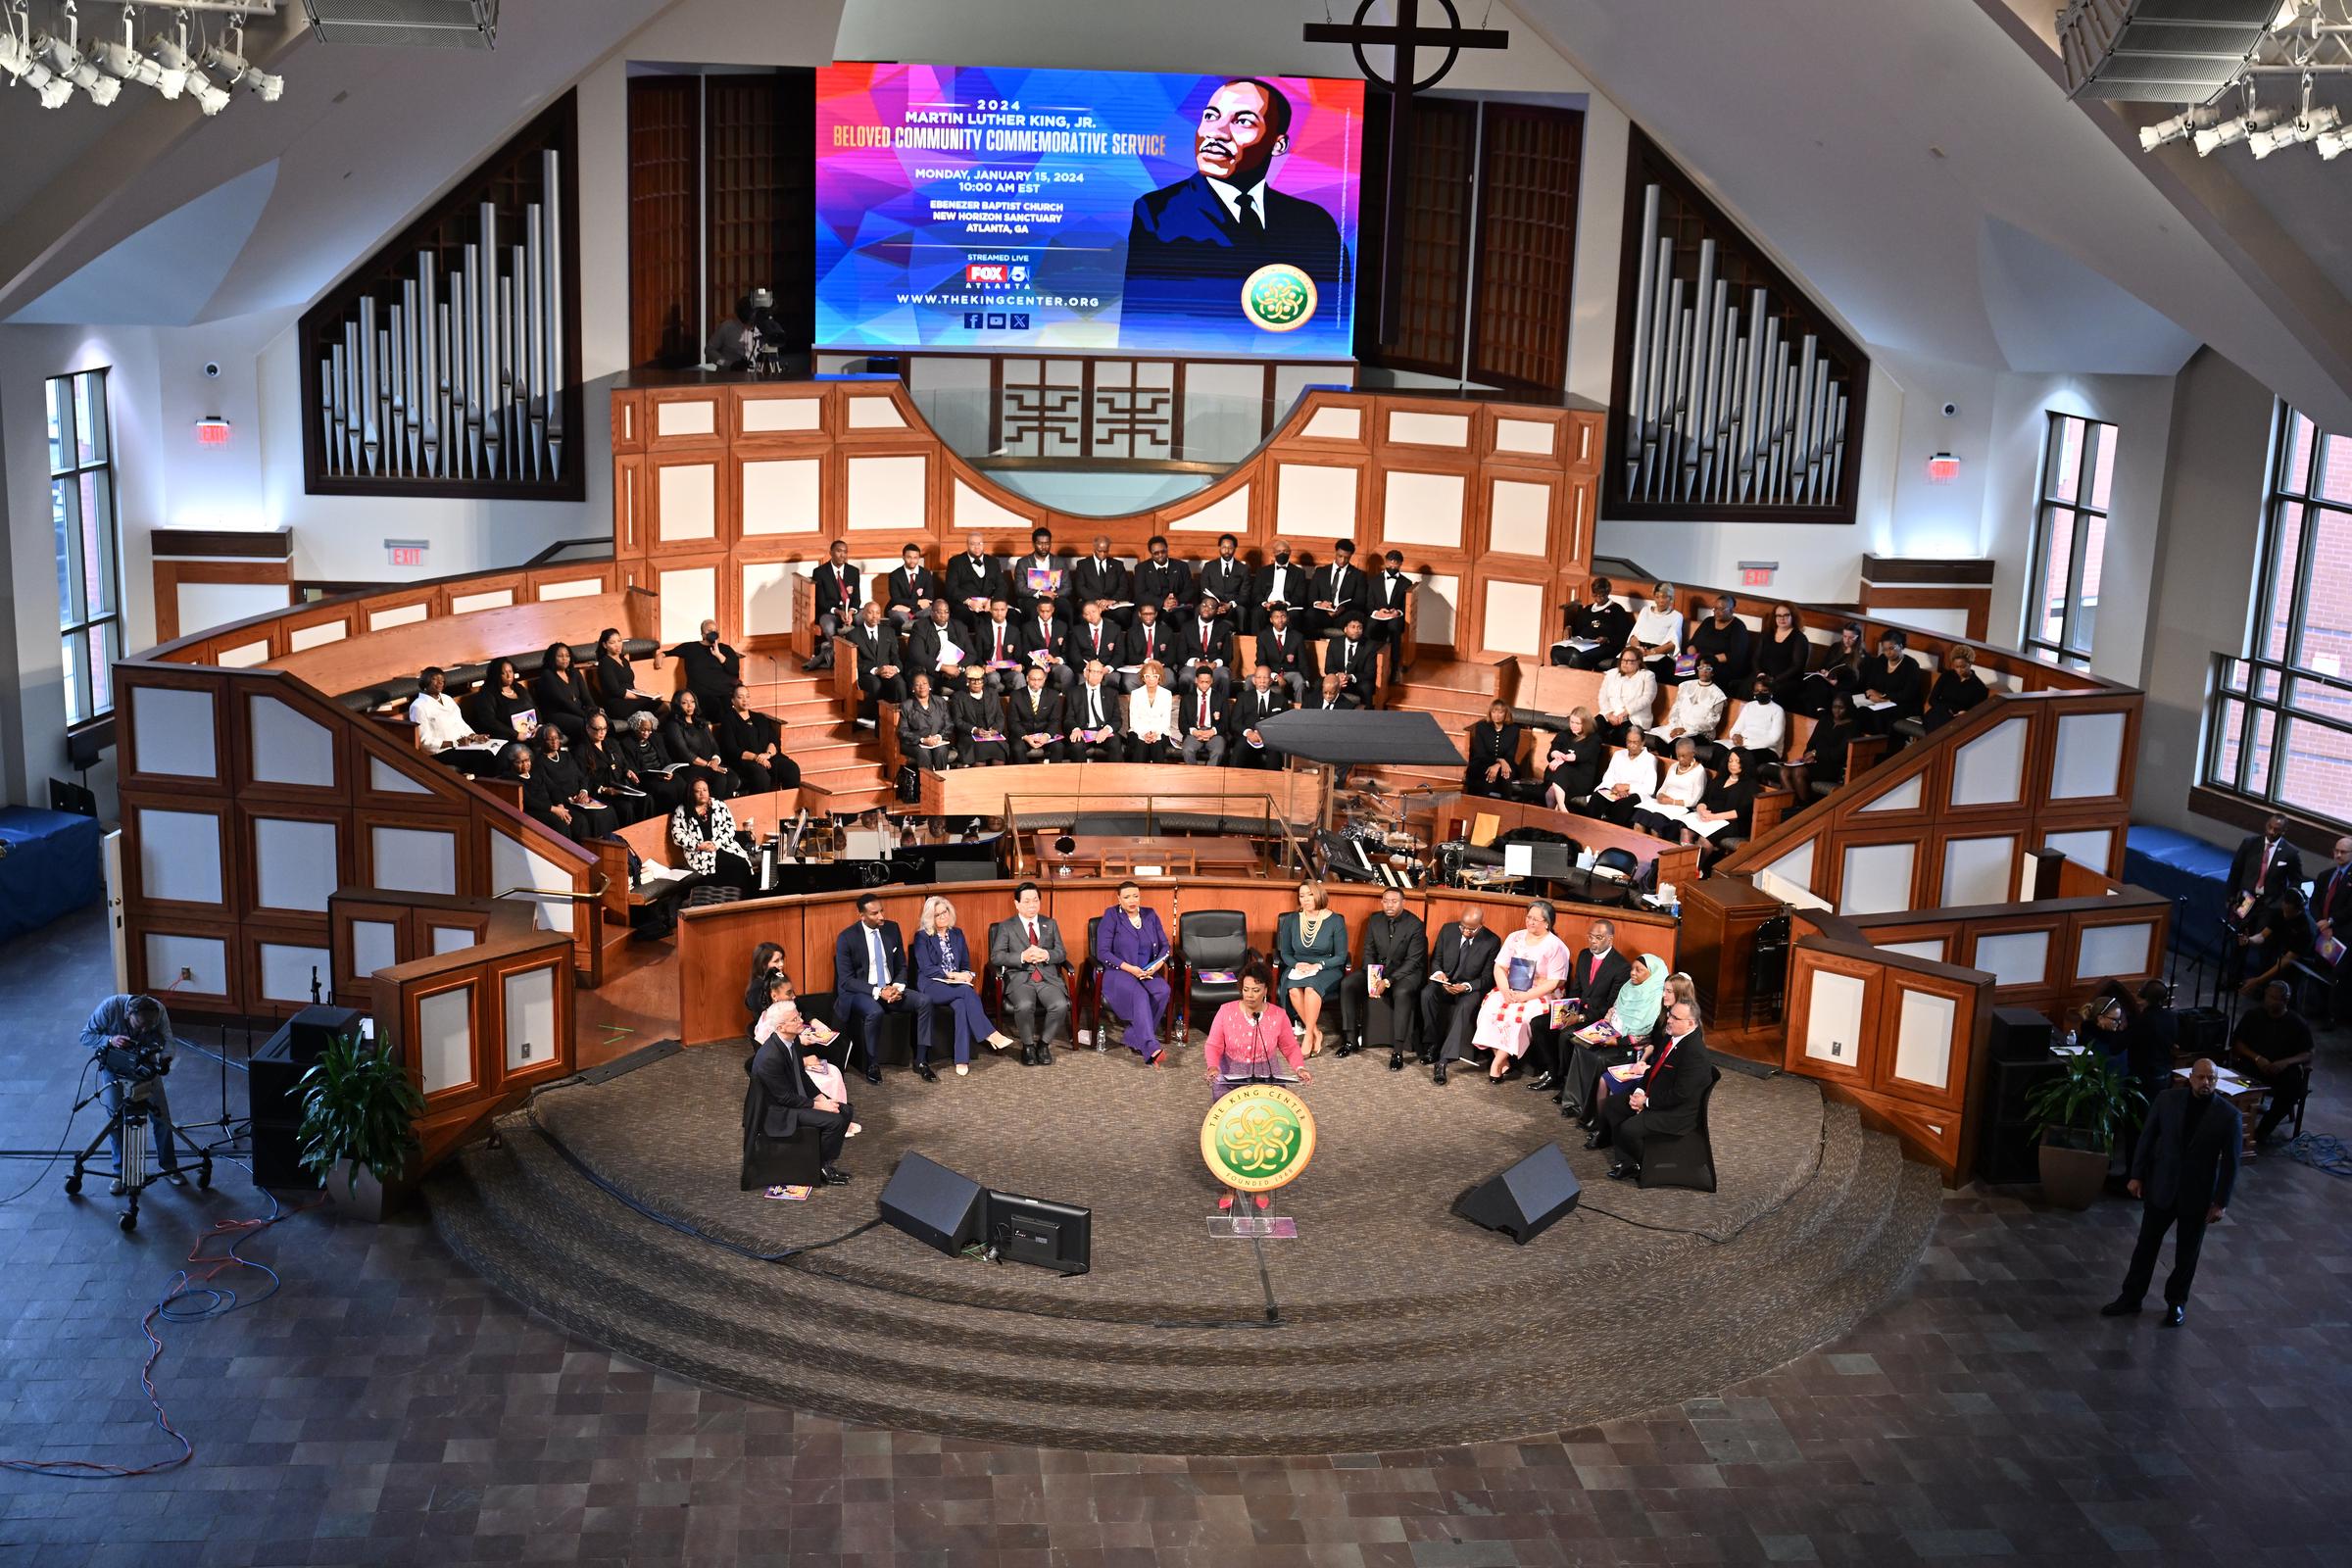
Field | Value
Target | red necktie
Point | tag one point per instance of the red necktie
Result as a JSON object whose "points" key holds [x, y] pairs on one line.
{"points": [[1034, 976]]}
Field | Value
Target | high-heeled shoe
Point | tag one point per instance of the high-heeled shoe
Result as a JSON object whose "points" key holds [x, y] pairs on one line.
{"points": [[1262, 1200], [1224, 1201], [963, 1070], [999, 1041]]}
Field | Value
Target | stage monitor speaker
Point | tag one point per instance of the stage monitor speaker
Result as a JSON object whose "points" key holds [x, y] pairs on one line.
{"points": [[934, 1204], [1525, 1201], [277, 1157], [308, 1031], [272, 1082], [2019, 1034]]}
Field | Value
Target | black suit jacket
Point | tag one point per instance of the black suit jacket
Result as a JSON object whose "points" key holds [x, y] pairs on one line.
{"points": [[1187, 256], [1196, 709], [878, 645], [923, 640], [967, 581], [1227, 582], [785, 1083], [1297, 587], [909, 591], [986, 651], [1400, 947], [1359, 670], [1216, 646], [1081, 644], [1677, 1083], [2332, 895], [1904, 685], [2248, 872], [1389, 592], [2182, 1174], [1242, 713], [1092, 579], [1599, 990], [1472, 961], [1036, 635], [850, 959], [833, 598], [1488, 746], [1289, 654], [1351, 597], [1020, 721], [1149, 643], [1157, 584]]}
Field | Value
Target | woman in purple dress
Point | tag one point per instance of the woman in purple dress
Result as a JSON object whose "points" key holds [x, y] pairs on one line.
{"points": [[1133, 949]]}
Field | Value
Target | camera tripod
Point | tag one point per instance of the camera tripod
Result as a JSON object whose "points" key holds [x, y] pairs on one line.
{"points": [[133, 1118]]}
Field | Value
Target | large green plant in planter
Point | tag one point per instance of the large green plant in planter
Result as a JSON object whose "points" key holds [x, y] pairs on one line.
{"points": [[2079, 1116], [359, 1113]]}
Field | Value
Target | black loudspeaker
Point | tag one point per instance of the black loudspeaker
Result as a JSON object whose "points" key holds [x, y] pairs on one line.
{"points": [[277, 1157], [308, 1031], [2019, 1034], [2204, 1031], [1525, 1201], [272, 1083], [933, 1204], [2009, 1152]]}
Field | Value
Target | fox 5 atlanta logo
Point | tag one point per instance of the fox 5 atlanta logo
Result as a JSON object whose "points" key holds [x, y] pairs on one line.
{"points": [[1015, 273]]}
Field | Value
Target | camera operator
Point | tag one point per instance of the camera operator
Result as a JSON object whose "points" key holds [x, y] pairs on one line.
{"points": [[131, 1037]]}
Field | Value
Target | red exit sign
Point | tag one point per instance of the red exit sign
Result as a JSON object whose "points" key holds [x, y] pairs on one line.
{"points": [[1755, 576], [405, 552]]}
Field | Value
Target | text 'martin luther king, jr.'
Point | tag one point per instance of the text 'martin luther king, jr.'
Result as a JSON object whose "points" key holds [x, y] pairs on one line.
{"points": [[1193, 245]]}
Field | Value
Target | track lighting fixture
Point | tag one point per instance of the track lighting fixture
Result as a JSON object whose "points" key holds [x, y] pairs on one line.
{"points": [[53, 64]]}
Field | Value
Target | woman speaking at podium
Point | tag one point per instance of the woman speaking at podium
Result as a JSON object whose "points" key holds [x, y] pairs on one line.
{"points": [[1251, 1043]]}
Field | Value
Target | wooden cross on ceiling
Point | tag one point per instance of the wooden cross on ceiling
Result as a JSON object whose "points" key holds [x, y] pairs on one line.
{"points": [[1407, 37]]}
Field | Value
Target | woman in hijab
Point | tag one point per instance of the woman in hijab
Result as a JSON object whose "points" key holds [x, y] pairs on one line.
{"points": [[1642, 1003]]}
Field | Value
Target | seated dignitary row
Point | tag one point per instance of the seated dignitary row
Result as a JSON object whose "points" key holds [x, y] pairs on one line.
{"points": [[1315, 602], [1095, 721], [1655, 649]]}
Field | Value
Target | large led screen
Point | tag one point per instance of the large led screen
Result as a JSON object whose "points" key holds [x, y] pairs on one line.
{"points": [[988, 208]]}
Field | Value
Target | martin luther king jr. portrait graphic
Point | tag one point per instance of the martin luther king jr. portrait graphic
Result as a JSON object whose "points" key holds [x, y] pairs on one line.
{"points": [[1222, 246]]}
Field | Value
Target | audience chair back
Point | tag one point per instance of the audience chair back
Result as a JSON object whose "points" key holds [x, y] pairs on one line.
{"points": [[1209, 939]]}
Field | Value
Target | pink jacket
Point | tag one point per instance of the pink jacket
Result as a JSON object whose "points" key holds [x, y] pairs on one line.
{"points": [[1237, 1049]]}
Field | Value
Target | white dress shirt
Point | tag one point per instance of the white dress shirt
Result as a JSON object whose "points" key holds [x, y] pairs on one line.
{"points": [[1094, 706], [1654, 626], [1639, 773], [1151, 712], [1761, 726], [439, 724], [1696, 711], [876, 961], [1635, 696]]}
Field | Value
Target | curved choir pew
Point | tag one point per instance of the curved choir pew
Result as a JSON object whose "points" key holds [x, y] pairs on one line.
{"points": [[1120, 787], [715, 941]]}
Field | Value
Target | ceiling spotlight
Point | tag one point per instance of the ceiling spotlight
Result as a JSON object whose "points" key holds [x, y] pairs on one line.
{"points": [[2304, 128], [228, 59], [67, 61], [124, 61], [16, 59], [171, 56], [2332, 145], [2181, 127], [2228, 132]]}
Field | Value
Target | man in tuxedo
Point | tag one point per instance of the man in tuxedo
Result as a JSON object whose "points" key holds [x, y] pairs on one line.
{"points": [[881, 662], [1093, 719], [1033, 719], [2182, 1173], [1391, 592], [869, 981], [1041, 633], [1462, 971], [1161, 581], [1029, 958], [1667, 1099], [1148, 642], [1205, 642], [979, 715], [1192, 245], [1354, 659], [793, 1102], [1093, 637], [1600, 620], [1595, 977], [1200, 715], [997, 645], [928, 645], [910, 588], [1283, 648], [837, 600], [1101, 581], [1261, 700], [1278, 582], [1340, 590], [1334, 697], [1227, 577], [1040, 560], [2331, 912], [973, 579], [2265, 865], [1398, 943]]}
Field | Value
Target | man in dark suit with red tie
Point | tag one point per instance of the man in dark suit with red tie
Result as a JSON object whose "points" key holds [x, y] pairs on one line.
{"points": [[836, 602], [1094, 639], [1283, 648], [1028, 957], [1148, 642], [1595, 977], [1667, 1098]]}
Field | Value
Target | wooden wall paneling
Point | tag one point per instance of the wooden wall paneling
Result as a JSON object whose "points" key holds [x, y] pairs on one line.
{"points": [[182, 826], [262, 706], [368, 752], [1440, 170], [171, 721], [686, 418], [1302, 503], [675, 578], [859, 503], [1529, 178], [167, 574], [1855, 1064], [629, 532], [1530, 503], [782, 416], [1936, 846], [628, 421], [2053, 924], [551, 1057], [679, 520], [1887, 1074], [665, 282], [1834, 872], [157, 932], [1409, 429], [477, 596], [254, 940], [560, 584], [2156, 915], [246, 825], [1507, 611], [1331, 422], [374, 872]]}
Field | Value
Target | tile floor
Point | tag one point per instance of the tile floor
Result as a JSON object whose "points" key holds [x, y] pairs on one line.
{"points": [[384, 1407]]}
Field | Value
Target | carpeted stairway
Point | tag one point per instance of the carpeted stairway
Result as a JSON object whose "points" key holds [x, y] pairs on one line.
{"points": [[1386, 1324]]}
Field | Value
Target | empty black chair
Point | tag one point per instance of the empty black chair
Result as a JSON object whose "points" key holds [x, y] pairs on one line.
{"points": [[795, 1161], [1086, 1003], [1682, 1160], [1616, 892], [1210, 939]]}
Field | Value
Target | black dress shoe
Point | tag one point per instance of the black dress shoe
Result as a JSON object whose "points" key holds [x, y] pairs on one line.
{"points": [[834, 1176], [1621, 1173], [1438, 1077], [923, 1070], [873, 1075], [1596, 1141], [2119, 1307], [1347, 1048], [1395, 1061], [1543, 1081], [2173, 1317]]}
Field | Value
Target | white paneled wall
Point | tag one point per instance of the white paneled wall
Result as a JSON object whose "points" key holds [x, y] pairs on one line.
{"points": [[288, 748], [173, 731]]}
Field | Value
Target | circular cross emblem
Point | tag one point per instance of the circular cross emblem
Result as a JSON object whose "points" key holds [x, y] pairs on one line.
{"points": [[1257, 1137], [1279, 297]]}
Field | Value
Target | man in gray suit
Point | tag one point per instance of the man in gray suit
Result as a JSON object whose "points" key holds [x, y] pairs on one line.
{"points": [[1027, 952]]}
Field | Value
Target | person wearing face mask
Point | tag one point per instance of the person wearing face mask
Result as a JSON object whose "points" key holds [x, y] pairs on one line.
{"points": [[1278, 582], [2182, 1174], [713, 668], [1391, 590], [1760, 728]]}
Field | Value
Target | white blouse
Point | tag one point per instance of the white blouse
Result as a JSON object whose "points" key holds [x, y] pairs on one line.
{"points": [[1151, 712], [1760, 728], [1682, 786], [1635, 696], [1640, 773], [1654, 626], [1696, 709]]}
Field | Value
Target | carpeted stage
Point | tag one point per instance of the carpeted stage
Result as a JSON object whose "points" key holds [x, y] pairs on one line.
{"points": [[1388, 1323]]}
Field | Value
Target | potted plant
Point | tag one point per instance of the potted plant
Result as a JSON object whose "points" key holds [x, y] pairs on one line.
{"points": [[2081, 1115], [359, 1115]]}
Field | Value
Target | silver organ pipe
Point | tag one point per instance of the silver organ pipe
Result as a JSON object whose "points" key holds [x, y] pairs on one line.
{"points": [[455, 375], [1724, 406]]}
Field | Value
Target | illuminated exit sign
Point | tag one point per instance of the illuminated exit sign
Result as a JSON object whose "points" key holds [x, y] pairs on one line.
{"points": [[1757, 574], [405, 552]]}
